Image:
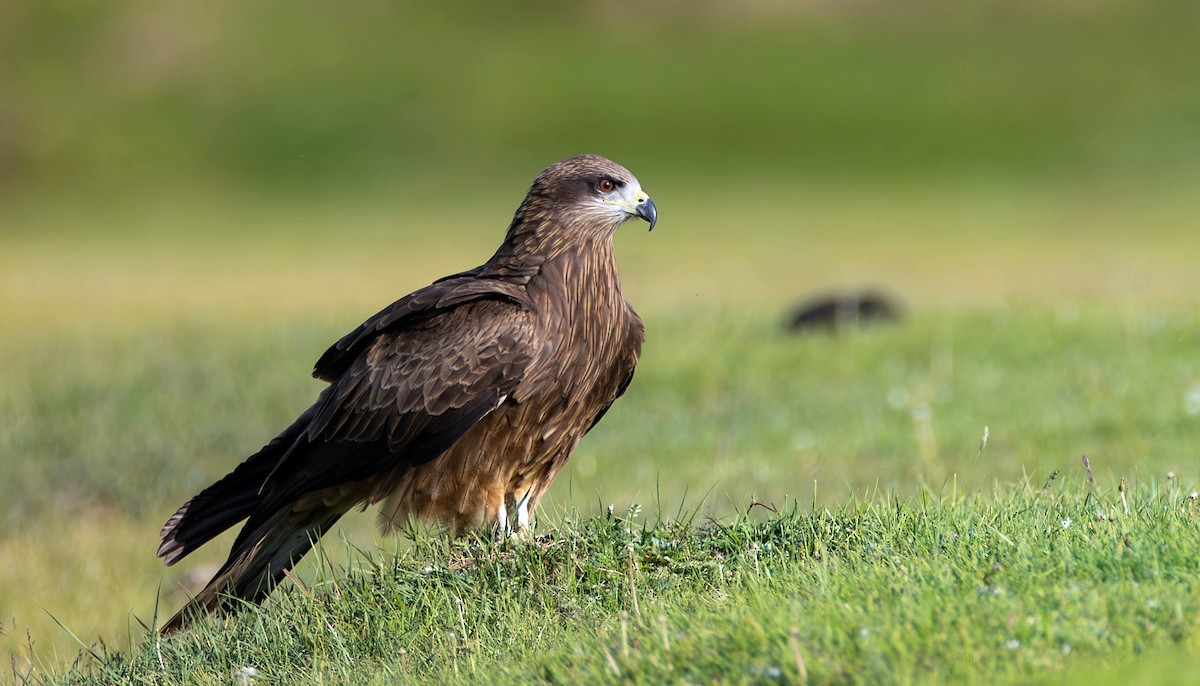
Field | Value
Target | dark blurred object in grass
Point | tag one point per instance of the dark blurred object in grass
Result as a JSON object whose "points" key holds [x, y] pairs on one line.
{"points": [[836, 312]]}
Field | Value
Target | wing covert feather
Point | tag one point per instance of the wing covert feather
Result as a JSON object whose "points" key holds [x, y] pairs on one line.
{"points": [[430, 301], [414, 390]]}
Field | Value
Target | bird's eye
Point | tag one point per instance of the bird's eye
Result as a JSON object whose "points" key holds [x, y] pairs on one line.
{"points": [[605, 185]]}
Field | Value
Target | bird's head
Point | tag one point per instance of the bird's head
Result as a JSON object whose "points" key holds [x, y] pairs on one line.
{"points": [[595, 190]]}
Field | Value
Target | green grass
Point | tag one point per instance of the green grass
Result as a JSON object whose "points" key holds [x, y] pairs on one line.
{"points": [[725, 401], [147, 350], [120, 427], [1000, 588]]}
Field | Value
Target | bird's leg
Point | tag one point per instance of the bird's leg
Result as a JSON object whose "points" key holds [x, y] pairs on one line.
{"points": [[524, 529], [502, 529]]}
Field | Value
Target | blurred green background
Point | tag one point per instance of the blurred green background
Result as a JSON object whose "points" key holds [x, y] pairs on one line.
{"points": [[1002, 149], [196, 198], [126, 99]]}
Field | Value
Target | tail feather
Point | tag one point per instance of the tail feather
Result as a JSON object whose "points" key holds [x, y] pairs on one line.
{"points": [[257, 563], [230, 500]]}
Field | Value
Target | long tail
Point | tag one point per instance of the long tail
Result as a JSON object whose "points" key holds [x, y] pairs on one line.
{"points": [[230, 500], [266, 547], [265, 550]]}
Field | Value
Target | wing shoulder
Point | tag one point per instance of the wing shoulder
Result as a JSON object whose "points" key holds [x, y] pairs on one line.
{"points": [[426, 303]]}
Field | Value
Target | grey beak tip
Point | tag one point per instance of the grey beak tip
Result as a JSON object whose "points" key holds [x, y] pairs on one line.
{"points": [[649, 212]]}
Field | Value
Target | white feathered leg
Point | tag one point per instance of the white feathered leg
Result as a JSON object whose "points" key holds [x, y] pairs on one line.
{"points": [[503, 531], [523, 526]]}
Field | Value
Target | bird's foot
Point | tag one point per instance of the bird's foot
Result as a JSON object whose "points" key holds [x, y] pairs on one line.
{"points": [[522, 529], [503, 528]]}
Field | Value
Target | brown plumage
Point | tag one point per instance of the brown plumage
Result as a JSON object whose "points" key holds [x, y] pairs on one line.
{"points": [[457, 404]]}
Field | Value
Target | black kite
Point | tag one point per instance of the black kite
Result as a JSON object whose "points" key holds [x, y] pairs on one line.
{"points": [[457, 404]]}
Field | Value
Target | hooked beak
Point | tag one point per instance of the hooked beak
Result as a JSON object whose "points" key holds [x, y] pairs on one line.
{"points": [[646, 210]]}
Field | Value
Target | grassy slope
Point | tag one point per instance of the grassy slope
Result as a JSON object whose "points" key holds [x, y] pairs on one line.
{"points": [[998, 589], [140, 369], [139, 426]]}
